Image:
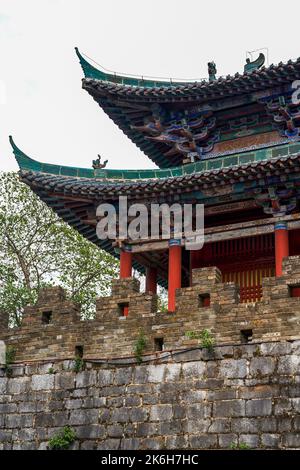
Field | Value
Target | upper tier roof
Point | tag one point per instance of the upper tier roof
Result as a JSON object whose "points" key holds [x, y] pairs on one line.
{"points": [[231, 84], [176, 122]]}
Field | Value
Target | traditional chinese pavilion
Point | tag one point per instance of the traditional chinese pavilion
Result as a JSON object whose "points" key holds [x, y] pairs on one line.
{"points": [[231, 143]]}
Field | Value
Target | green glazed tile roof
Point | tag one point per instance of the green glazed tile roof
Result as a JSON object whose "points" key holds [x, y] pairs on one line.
{"points": [[129, 101], [27, 163], [263, 76], [92, 72]]}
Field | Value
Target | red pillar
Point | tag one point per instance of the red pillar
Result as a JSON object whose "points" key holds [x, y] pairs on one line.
{"points": [[151, 280], [125, 264], [281, 246], [174, 276]]}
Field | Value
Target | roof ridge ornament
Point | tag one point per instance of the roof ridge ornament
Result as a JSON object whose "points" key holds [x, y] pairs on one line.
{"points": [[212, 71], [97, 165], [255, 64]]}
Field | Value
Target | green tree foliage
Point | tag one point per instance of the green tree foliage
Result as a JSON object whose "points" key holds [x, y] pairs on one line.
{"points": [[37, 249]]}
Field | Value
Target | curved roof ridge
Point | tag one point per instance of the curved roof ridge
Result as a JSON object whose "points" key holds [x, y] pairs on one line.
{"points": [[112, 188], [94, 73], [91, 72], [22, 159], [202, 166]]}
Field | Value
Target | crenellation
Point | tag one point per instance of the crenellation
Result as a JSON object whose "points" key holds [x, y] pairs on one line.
{"points": [[52, 328]]}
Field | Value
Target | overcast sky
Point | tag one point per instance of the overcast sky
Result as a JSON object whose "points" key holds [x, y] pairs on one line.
{"points": [[41, 101]]}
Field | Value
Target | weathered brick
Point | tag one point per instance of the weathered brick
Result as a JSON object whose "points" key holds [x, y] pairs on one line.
{"points": [[219, 426], [291, 440], [123, 376], [288, 364], [296, 404], [130, 444], [3, 385], [156, 373], [260, 366], [73, 404], [284, 424], [170, 427], [196, 426], [194, 396], [227, 440], [176, 442], [120, 415], [132, 400], [138, 414], [109, 444], [88, 445], [86, 378], [90, 431], [282, 406], [27, 407], [245, 425], [105, 377], [8, 407], [229, 408], [250, 440], [172, 373], [60, 419], [42, 382], [115, 430], [84, 417], [19, 421], [297, 423], [161, 412], [275, 349], [65, 380], [146, 429], [260, 407], [18, 385], [205, 441], [258, 391], [193, 370], [198, 410], [233, 368], [270, 440]]}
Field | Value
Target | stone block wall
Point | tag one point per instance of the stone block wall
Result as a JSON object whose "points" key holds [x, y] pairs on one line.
{"points": [[190, 400], [52, 329]]}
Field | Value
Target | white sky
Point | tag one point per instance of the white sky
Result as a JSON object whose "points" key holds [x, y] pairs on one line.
{"points": [[53, 120]]}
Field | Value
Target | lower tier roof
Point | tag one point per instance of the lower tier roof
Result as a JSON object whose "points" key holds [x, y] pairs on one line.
{"points": [[75, 198], [225, 162]]}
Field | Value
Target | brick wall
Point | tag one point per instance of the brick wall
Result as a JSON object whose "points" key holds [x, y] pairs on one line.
{"points": [[111, 335], [237, 394]]}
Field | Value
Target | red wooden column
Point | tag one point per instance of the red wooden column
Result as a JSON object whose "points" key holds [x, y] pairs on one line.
{"points": [[125, 263], [281, 246], [174, 275], [151, 280]]}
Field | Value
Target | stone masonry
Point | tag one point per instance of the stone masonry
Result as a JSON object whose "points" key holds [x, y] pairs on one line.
{"points": [[52, 329], [192, 400], [181, 396]]}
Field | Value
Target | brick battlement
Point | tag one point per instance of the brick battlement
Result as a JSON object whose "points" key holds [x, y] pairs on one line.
{"points": [[52, 328]]}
